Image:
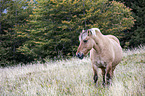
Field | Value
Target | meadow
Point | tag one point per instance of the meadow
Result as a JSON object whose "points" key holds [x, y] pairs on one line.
{"points": [[74, 77]]}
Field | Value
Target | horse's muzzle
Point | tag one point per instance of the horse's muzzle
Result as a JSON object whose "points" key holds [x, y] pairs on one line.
{"points": [[80, 55]]}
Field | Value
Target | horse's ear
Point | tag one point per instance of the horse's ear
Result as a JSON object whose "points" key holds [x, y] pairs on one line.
{"points": [[89, 33], [83, 30]]}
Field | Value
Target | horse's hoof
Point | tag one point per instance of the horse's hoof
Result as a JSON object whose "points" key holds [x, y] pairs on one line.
{"points": [[96, 85], [103, 84]]}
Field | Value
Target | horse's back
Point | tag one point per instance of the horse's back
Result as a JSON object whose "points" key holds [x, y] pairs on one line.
{"points": [[114, 38]]}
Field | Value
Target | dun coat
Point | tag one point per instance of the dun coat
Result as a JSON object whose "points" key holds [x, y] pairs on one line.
{"points": [[105, 52]]}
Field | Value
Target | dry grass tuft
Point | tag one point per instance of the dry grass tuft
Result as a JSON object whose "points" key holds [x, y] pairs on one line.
{"points": [[75, 77]]}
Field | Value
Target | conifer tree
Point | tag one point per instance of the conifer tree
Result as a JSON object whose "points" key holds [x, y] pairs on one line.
{"points": [[135, 36], [55, 25], [15, 16]]}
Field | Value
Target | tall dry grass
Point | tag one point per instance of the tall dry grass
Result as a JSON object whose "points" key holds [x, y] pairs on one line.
{"points": [[74, 77]]}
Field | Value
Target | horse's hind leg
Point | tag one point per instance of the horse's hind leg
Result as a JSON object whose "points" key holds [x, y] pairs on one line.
{"points": [[95, 74], [109, 74], [103, 74], [113, 68]]}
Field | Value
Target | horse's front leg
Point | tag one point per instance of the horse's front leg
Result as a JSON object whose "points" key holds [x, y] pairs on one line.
{"points": [[95, 70], [109, 74]]}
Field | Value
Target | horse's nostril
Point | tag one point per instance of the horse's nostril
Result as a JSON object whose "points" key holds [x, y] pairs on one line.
{"points": [[82, 56], [79, 55]]}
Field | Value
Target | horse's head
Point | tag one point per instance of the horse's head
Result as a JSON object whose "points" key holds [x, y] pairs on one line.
{"points": [[86, 43]]}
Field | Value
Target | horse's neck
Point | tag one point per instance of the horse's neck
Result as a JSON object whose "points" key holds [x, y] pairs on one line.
{"points": [[99, 38], [99, 42]]}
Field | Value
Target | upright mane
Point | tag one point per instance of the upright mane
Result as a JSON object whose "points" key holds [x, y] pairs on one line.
{"points": [[84, 33], [95, 31]]}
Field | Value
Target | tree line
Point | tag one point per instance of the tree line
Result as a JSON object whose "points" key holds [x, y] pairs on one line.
{"points": [[32, 30]]}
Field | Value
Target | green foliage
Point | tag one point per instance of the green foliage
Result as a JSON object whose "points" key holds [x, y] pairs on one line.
{"points": [[135, 36], [138, 36], [52, 27], [10, 22], [55, 25]]}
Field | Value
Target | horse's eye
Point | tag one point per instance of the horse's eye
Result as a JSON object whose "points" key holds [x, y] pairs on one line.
{"points": [[85, 41]]}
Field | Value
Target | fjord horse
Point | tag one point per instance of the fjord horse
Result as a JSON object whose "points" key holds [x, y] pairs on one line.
{"points": [[105, 52]]}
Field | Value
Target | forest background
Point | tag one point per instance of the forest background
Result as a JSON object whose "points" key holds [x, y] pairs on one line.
{"points": [[33, 30]]}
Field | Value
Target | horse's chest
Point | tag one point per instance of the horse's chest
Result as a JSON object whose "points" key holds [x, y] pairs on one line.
{"points": [[100, 63], [97, 59]]}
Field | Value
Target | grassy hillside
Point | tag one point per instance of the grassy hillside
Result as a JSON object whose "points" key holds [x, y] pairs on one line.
{"points": [[74, 77]]}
